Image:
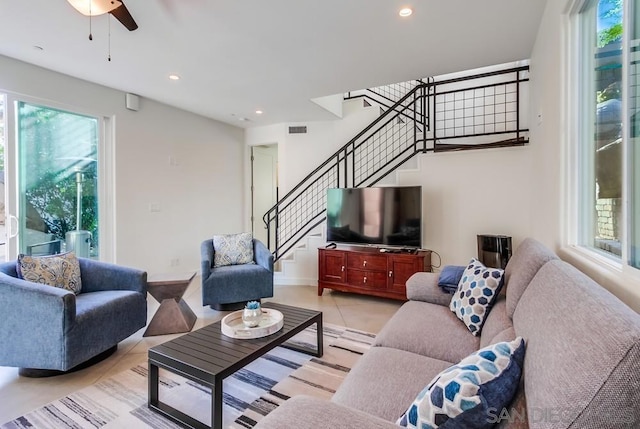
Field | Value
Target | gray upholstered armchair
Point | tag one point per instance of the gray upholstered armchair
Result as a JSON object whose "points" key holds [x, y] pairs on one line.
{"points": [[230, 287], [46, 328]]}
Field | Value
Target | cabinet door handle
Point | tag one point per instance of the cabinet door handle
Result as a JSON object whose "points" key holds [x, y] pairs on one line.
{"points": [[342, 269], [364, 264], [365, 279], [390, 273]]}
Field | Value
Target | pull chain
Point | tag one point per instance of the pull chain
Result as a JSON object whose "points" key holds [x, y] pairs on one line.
{"points": [[109, 54]]}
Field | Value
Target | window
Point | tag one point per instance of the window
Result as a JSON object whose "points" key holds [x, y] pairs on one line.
{"points": [[633, 148], [608, 139], [56, 164], [601, 140], [57, 181]]}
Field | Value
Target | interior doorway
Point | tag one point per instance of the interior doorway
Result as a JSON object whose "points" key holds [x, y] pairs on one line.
{"points": [[264, 189]]}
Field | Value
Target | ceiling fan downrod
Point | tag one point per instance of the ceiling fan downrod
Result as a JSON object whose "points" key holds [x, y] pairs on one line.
{"points": [[90, 35]]}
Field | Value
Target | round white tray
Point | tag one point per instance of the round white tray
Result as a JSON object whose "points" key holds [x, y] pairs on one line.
{"points": [[232, 326]]}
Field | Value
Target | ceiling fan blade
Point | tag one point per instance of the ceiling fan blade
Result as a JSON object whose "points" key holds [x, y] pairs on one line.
{"points": [[121, 13]]}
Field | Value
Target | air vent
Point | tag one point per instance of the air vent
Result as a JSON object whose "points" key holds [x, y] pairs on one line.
{"points": [[298, 130]]}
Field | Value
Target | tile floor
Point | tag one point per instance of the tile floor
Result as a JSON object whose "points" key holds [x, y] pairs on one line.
{"points": [[19, 395]]}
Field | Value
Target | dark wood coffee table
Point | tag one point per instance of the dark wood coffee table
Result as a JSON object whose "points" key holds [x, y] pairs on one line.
{"points": [[207, 357]]}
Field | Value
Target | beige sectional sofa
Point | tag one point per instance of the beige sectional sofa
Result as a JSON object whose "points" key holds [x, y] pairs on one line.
{"points": [[581, 368]]}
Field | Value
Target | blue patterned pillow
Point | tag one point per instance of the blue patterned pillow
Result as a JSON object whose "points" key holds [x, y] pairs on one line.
{"points": [[233, 249], [477, 290], [61, 271], [466, 394]]}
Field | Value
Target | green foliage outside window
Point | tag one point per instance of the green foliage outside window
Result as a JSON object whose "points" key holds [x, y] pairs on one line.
{"points": [[53, 146], [611, 20]]}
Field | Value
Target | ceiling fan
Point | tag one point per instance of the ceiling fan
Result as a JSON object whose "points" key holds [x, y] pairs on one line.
{"points": [[99, 7]]}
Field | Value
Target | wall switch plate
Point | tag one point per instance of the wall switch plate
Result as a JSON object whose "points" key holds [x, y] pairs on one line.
{"points": [[154, 207]]}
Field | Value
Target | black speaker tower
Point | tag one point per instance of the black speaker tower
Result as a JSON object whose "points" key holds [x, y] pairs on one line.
{"points": [[494, 250]]}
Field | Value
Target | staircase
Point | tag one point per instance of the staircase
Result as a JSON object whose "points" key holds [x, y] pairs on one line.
{"points": [[417, 117]]}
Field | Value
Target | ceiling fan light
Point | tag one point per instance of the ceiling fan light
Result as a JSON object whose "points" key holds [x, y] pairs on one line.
{"points": [[94, 7]]}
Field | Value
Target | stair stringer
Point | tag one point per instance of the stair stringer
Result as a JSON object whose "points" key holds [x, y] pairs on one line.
{"points": [[300, 265]]}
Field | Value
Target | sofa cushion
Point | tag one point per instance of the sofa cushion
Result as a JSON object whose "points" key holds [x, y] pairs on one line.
{"points": [[508, 334], [466, 394], [62, 271], [103, 319], [476, 293], [233, 249], [424, 287], [237, 283], [385, 380], [497, 321], [583, 349], [306, 412], [430, 330], [525, 263]]}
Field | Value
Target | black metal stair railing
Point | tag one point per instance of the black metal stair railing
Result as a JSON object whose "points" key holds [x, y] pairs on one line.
{"points": [[387, 96], [368, 157], [465, 114]]}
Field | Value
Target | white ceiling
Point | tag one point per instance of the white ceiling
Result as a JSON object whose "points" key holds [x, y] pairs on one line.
{"points": [[237, 56]]}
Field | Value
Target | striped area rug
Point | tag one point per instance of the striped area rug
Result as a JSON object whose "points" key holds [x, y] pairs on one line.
{"points": [[249, 394]]}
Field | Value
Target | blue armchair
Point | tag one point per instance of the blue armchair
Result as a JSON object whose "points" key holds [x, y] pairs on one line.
{"points": [[230, 287], [46, 330]]}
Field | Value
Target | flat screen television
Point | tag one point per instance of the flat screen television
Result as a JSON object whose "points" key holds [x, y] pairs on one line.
{"points": [[387, 216]]}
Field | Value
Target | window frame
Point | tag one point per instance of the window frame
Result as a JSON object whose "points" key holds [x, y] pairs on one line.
{"points": [[600, 265], [106, 168]]}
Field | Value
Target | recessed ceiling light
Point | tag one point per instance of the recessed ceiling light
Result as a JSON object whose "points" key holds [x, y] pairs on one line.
{"points": [[174, 77], [38, 48], [404, 12], [243, 119], [259, 112]]}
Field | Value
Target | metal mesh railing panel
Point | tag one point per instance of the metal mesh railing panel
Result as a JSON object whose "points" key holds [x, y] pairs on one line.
{"points": [[380, 149], [465, 113], [395, 91], [309, 204]]}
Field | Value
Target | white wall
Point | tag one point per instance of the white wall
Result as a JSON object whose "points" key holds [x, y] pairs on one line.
{"points": [[299, 154], [547, 134], [200, 196], [473, 192]]}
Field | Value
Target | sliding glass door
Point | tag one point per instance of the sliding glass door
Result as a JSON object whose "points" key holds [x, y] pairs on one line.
{"points": [[57, 181], [56, 205]]}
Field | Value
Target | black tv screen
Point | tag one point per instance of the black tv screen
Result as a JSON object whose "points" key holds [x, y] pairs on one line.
{"points": [[390, 216]]}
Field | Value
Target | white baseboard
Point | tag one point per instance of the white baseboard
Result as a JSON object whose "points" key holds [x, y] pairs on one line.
{"points": [[289, 281]]}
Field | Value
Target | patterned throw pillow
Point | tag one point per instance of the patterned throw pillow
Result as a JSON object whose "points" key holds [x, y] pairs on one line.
{"points": [[61, 271], [477, 290], [468, 395], [233, 249]]}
